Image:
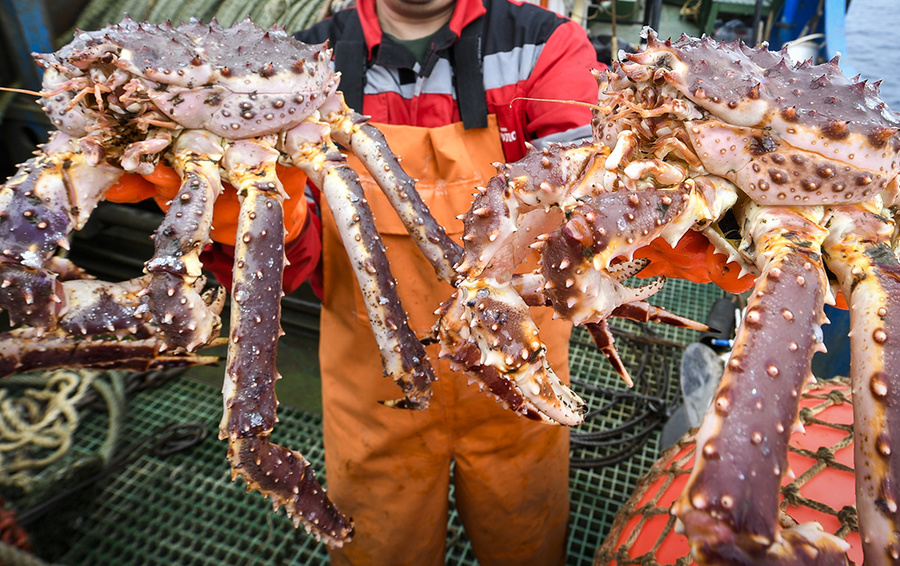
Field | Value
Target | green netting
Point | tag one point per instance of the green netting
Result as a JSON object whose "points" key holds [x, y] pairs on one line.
{"points": [[184, 509]]}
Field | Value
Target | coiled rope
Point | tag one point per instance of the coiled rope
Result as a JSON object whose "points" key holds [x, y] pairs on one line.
{"points": [[38, 424], [11, 555]]}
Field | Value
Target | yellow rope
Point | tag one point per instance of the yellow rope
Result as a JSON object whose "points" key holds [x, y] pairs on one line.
{"points": [[691, 9], [37, 427]]}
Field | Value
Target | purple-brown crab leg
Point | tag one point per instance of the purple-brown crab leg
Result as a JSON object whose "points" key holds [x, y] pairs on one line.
{"points": [[49, 197], [578, 276], [93, 308], [465, 356], [186, 319], [353, 131], [520, 205], [485, 328], [581, 283], [638, 311], [282, 474], [403, 355], [729, 509], [26, 349], [60, 306], [858, 252]]}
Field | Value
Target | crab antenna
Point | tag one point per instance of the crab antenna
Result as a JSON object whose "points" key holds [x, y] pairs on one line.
{"points": [[574, 102], [20, 90]]}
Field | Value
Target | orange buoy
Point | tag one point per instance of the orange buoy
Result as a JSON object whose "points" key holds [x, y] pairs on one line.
{"points": [[821, 489]]}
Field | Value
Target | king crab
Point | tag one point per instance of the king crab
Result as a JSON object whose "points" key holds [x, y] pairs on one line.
{"points": [[223, 108], [788, 171]]}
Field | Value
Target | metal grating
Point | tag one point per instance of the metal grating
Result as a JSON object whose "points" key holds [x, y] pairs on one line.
{"points": [[621, 434], [183, 509]]}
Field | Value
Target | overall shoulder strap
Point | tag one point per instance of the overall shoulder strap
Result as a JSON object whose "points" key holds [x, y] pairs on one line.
{"points": [[350, 58], [467, 58]]}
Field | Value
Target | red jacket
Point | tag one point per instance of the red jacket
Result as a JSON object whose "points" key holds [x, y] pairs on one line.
{"points": [[529, 52]]}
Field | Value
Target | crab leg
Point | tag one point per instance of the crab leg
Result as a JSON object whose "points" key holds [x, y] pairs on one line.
{"points": [[511, 212], [858, 253], [730, 506], [249, 387], [485, 328], [638, 311], [581, 281], [186, 319], [49, 197], [487, 324], [93, 308], [404, 359], [464, 355], [353, 131], [24, 349]]}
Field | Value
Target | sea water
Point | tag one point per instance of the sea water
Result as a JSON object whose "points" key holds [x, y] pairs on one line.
{"points": [[873, 44]]}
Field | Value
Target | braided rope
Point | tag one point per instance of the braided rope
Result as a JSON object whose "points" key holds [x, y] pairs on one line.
{"points": [[675, 463]]}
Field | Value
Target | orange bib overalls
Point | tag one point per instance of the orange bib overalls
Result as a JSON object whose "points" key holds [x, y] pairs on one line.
{"points": [[389, 469]]}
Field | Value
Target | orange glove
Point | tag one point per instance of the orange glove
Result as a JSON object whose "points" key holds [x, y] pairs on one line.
{"points": [[695, 259], [162, 185], [687, 260], [727, 275], [303, 244]]}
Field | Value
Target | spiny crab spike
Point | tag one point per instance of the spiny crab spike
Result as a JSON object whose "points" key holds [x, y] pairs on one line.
{"points": [[859, 87], [881, 135], [753, 92], [783, 66]]}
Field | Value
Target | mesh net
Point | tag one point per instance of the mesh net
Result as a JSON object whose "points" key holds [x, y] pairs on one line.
{"points": [[184, 509], [821, 490]]}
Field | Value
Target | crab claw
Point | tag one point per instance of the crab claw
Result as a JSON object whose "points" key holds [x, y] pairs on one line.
{"points": [[486, 324], [582, 283], [639, 311]]}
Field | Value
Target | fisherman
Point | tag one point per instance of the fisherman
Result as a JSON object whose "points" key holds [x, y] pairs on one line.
{"points": [[455, 86]]}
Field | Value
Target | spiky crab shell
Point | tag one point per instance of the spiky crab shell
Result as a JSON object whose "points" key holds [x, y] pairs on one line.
{"points": [[237, 83], [784, 133]]}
